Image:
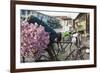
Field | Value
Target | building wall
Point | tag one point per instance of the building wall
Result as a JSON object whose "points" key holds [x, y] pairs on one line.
{"points": [[82, 22]]}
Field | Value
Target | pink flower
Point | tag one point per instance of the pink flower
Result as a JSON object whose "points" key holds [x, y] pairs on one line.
{"points": [[34, 39]]}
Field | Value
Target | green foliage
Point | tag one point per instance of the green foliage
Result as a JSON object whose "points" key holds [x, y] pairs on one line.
{"points": [[64, 34]]}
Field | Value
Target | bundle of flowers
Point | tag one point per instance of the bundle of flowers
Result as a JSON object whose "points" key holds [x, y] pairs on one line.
{"points": [[34, 39]]}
